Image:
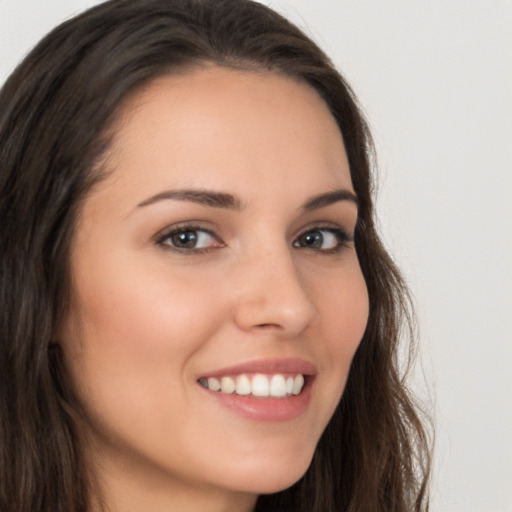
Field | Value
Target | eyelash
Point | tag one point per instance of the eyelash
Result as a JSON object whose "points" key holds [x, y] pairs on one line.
{"points": [[186, 228], [343, 239]]}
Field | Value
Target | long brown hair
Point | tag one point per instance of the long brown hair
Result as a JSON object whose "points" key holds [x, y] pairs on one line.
{"points": [[55, 111]]}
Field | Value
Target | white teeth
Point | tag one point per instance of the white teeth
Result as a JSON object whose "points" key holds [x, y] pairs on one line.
{"points": [[243, 385], [277, 386], [227, 385], [214, 384], [260, 385], [297, 384], [289, 385]]}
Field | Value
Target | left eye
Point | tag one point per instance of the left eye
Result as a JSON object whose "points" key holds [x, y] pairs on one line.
{"points": [[322, 239], [190, 239]]}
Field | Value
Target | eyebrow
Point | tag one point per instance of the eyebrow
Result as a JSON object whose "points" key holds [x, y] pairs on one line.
{"points": [[230, 202], [322, 200], [204, 197]]}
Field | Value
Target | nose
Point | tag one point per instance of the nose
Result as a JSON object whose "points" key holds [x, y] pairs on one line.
{"points": [[271, 295]]}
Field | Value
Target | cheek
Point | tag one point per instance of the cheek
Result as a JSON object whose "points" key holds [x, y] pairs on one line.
{"points": [[131, 334], [344, 315], [143, 311], [345, 312]]}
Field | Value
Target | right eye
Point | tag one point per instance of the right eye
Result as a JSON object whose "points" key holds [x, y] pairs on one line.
{"points": [[189, 240]]}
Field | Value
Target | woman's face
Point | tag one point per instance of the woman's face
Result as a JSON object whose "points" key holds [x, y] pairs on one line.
{"points": [[218, 252]]}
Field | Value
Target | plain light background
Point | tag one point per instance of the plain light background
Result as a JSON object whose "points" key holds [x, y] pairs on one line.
{"points": [[435, 79]]}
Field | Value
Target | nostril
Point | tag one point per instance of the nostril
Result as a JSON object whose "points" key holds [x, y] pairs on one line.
{"points": [[269, 326], [274, 301]]}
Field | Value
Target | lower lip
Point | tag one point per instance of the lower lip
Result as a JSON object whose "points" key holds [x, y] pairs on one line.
{"points": [[266, 409]]}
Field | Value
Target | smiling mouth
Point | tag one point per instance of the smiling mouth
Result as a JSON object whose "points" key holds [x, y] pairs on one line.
{"points": [[256, 385]]}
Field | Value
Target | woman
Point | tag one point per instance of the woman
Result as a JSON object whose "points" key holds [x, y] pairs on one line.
{"points": [[197, 312]]}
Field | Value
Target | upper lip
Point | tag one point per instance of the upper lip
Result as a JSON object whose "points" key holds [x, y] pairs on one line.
{"points": [[266, 366]]}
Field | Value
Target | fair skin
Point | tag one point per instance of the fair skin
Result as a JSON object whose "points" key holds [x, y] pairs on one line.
{"points": [[170, 289]]}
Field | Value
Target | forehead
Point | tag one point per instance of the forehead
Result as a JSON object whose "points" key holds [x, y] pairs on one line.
{"points": [[219, 127]]}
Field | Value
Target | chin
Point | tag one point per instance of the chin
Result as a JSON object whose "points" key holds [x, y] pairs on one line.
{"points": [[272, 476], [278, 484]]}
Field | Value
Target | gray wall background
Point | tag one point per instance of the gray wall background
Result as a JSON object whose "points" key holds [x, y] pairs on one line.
{"points": [[435, 78]]}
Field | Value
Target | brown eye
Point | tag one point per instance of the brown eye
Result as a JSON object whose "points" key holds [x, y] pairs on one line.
{"points": [[322, 239], [190, 239], [312, 239], [187, 239]]}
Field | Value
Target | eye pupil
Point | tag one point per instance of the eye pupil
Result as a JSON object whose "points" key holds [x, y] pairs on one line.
{"points": [[185, 239], [313, 239]]}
